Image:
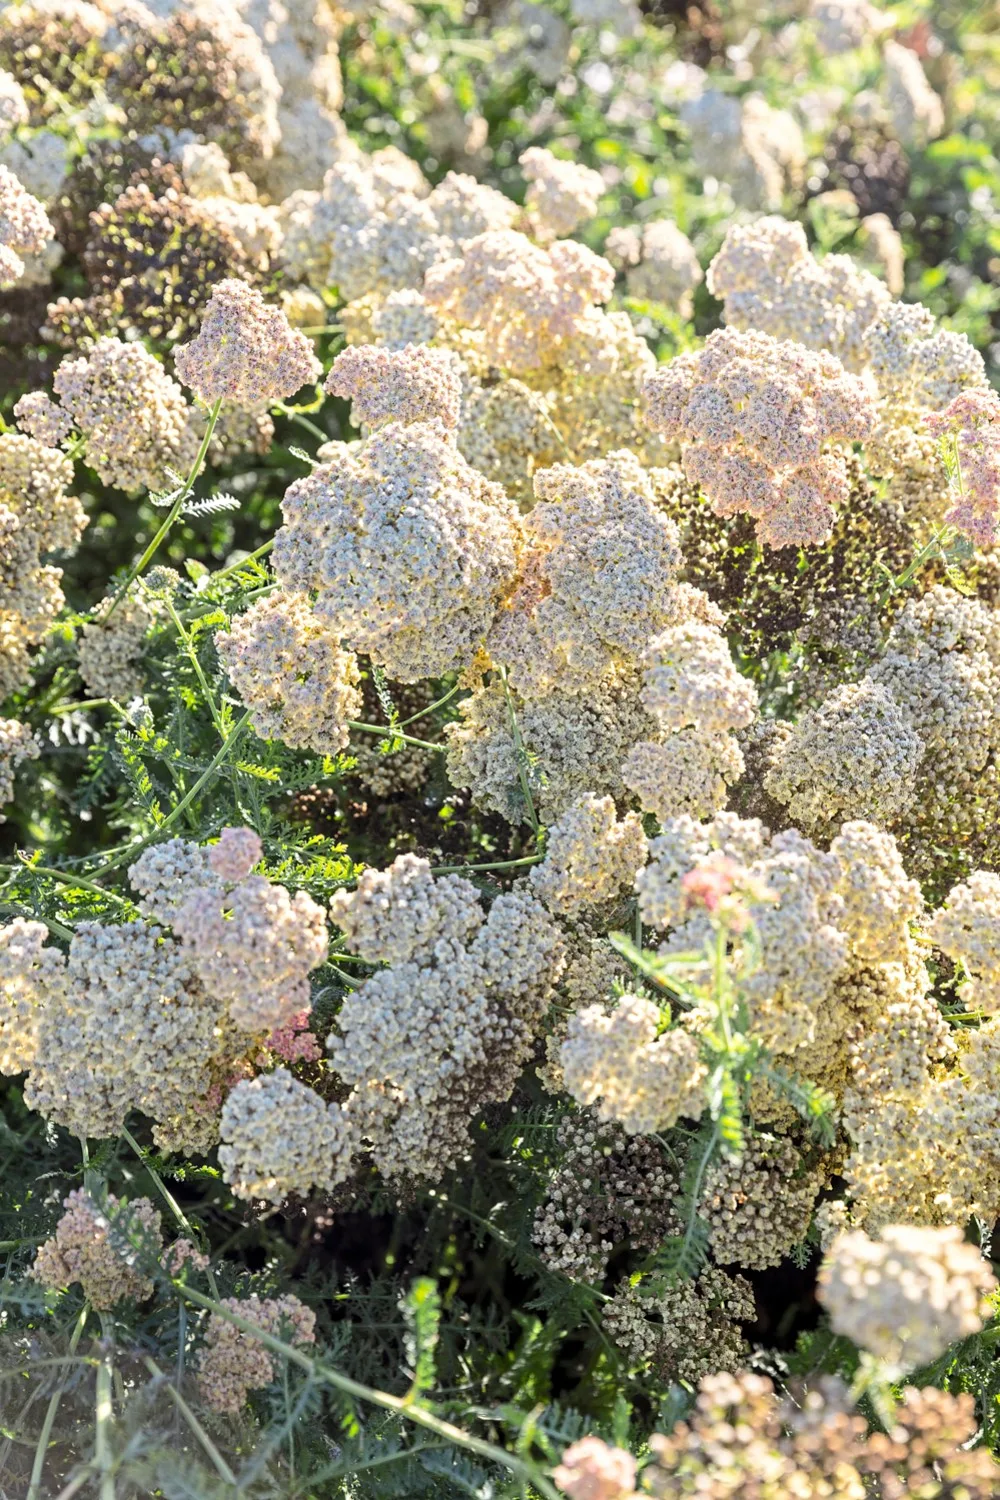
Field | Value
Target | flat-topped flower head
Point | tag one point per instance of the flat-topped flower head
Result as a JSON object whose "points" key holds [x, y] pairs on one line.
{"points": [[246, 351]]}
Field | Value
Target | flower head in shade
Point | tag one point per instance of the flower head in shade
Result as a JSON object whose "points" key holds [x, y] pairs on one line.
{"points": [[246, 351]]}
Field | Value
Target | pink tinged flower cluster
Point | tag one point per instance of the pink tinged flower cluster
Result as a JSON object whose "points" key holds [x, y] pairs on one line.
{"points": [[970, 427], [24, 226], [413, 384], [246, 351], [757, 417], [528, 302]]}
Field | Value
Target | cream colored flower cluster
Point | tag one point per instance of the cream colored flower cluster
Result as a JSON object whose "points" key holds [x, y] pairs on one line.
{"points": [[129, 1028], [133, 416], [967, 928], [645, 1078], [231, 1363], [426, 1043], [590, 1470], [590, 857], [907, 1295], [279, 1139], [597, 585], [855, 756], [25, 228], [37, 517], [421, 1046], [288, 667], [412, 384], [831, 932], [919, 367], [246, 351], [32, 979], [407, 547], [529, 303], [110, 646], [561, 194], [759, 418], [376, 225], [770, 282], [251, 944], [132, 1018]]}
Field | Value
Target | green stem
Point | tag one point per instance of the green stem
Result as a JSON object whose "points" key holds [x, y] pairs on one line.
{"points": [[523, 1469], [520, 754], [62, 877], [168, 1199], [431, 707], [192, 656], [928, 550], [386, 732], [503, 864], [172, 514], [35, 1482], [103, 1411], [250, 557], [222, 1468]]}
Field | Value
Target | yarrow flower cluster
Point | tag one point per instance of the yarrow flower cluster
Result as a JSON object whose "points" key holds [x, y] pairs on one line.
{"points": [[246, 351], [757, 416], [906, 1295], [561, 195], [288, 667], [25, 228], [406, 545], [232, 1362]]}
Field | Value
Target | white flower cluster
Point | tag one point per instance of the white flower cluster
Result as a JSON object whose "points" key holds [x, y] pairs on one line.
{"points": [[770, 282], [907, 1295], [597, 586], [288, 666], [405, 545], [637, 1074], [421, 1046], [376, 226], [589, 856]]}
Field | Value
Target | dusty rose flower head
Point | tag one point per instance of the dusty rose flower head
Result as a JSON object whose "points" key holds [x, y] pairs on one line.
{"points": [[232, 1362], [757, 416], [970, 426], [592, 1470], [246, 351], [24, 226], [413, 384], [236, 853]]}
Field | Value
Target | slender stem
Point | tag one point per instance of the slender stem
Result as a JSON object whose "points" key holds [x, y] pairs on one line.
{"points": [[222, 1468], [73, 708], [37, 1468], [193, 658], [172, 514], [76, 1484], [235, 567], [440, 702], [386, 732], [520, 755], [76, 448], [304, 422], [58, 928], [503, 864], [168, 1199], [103, 1411], [62, 877], [524, 1469]]}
